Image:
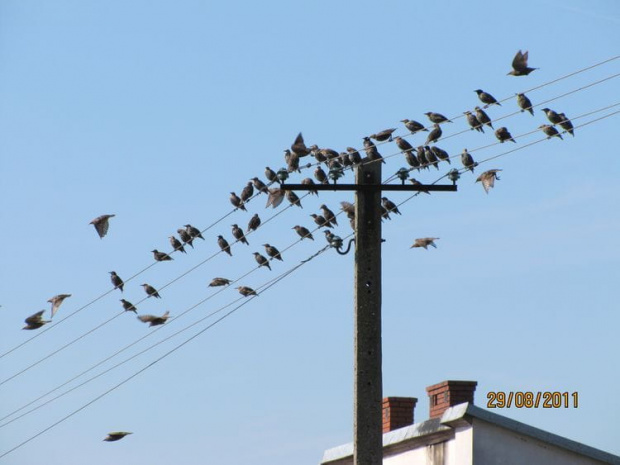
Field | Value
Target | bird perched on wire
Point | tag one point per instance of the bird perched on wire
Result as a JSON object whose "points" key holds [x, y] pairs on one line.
{"points": [[413, 126], [275, 197], [566, 124], [436, 117], [434, 135], [486, 98], [321, 221], [223, 243], [116, 435], [424, 242], [389, 205], [292, 161], [384, 135], [254, 223], [329, 215], [371, 150], [299, 146], [320, 175], [236, 201], [309, 182], [35, 321], [303, 232], [483, 117], [193, 232], [116, 280], [519, 65], [473, 121], [150, 291], [550, 131], [503, 135], [431, 157], [102, 224], [237, 233], [441, 154], [424, 163], [153, 320], [216, 282], [552, 116], [259, 185], [271, 175], [261, 260], [161, 256], [177, 244], [487, 179], [56, 301], [293, 198], [185, 237], [247, 192], [354, 156], [348, 208], [128, 306], [246, 291], [273, 252], [468, 160], [525, 103], [403, 144]]}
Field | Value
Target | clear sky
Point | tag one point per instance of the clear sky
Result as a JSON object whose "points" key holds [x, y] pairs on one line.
{"points": [[155, 111]]}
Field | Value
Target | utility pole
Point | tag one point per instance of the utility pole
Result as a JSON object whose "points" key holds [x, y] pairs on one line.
{"points": [[368, 380]]}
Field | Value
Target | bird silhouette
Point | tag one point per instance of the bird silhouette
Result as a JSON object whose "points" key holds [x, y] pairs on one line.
{"points": [[486, 98], [329, 215], [434, 135], [128, 306], [153, 320], [273, 252], [254, 223], [550, 131], [215, 282], [487, 179], [552, 116], [293, 198], [236, 201], [384, 135], [519, 65], [503, 135], [275, 197], [473, 121], [177, 244], [525, 103], [424, 242], [116, 280], [246, 291], [237, 233], [150, 291], [35, 321], [56, 301], [261, 260], [389, 205], [223, 243], [116, 435], [102, 224], [193, 232], [186, 237], [259, 185], [413, 126], [483, 117], [303, 232], [299, 146], [436, 117], [161, 256], [271, 175], [247, 192], [566, 124], [468, 160]]}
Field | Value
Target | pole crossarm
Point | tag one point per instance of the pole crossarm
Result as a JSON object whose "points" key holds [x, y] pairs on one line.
{"points": [[369, 187]]}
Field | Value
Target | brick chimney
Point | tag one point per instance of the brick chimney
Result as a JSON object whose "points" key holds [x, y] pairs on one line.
{"points": [[448, 393], [397, 412]]}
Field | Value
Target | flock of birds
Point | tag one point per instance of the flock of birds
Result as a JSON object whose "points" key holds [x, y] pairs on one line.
{"points": [[421, 157]]}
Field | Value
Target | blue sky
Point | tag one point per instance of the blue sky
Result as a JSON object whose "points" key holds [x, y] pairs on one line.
{"points": [[155, 111]]}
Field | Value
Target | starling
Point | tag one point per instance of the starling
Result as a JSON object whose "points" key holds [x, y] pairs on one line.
{"points": [[246, 291], [299, 146], [247, 192], [293, 198], [519, 65], [417, 183], [128, 306], [328, 154], [552, 116], [487, 179], [385, 213], [412, 160], [483, 117], [161, 256], [329, 236], [436, 117], [503, 135], [177, 244], [273, 252], [525, 103], [371, 150], [101, 224], [354, 156], [468, 160], [236, 201], [403, 145], [150, 290], [254, 222], [321, 221], [413, 126], [329, 215], [186, 237], [116, 280], [292, 161], [384, 135], [237, 233], [389, 205], [348, 208], [441, 154], [320, 175], [223, 243], [193, 232], [309, 182], [424, 242], [345, 160], [153, 320], [261, 260], [434, 135], [566, 124], [550, 131], [318, 155], [473, 121], [270, 175], [303, 232], [486, 98], [215, 282], [116, 435], [35, 321], [56, 301], [276, 195], [431, 157], [422, 157], [259, 185]]}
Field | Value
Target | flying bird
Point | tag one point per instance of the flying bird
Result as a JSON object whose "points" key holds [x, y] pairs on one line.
{"points": [[413, 126], [303, 232], [519, 65], [273, 252], [186, 237], [503, 135], [116, 280], [215, 282], [237, 233], [254, 223], [487, 179], [150, 291], [299, 146], [261, 260], [35, 321], [424, 242], [161, 256], [246, 291], [486, 98], [56, 301], [275, 197], [436, 117], [223, 243], [102, 224], [193, 232], [525, 103], [116, 435], [128, 306], [550, 131], [154, 320]]}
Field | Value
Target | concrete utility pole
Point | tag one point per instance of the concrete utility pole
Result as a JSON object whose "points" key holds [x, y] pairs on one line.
{"points": [[368, 380]]}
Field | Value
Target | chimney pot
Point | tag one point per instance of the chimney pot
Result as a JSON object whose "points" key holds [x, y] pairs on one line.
{"points": [[398, 412], [444, 395]]}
